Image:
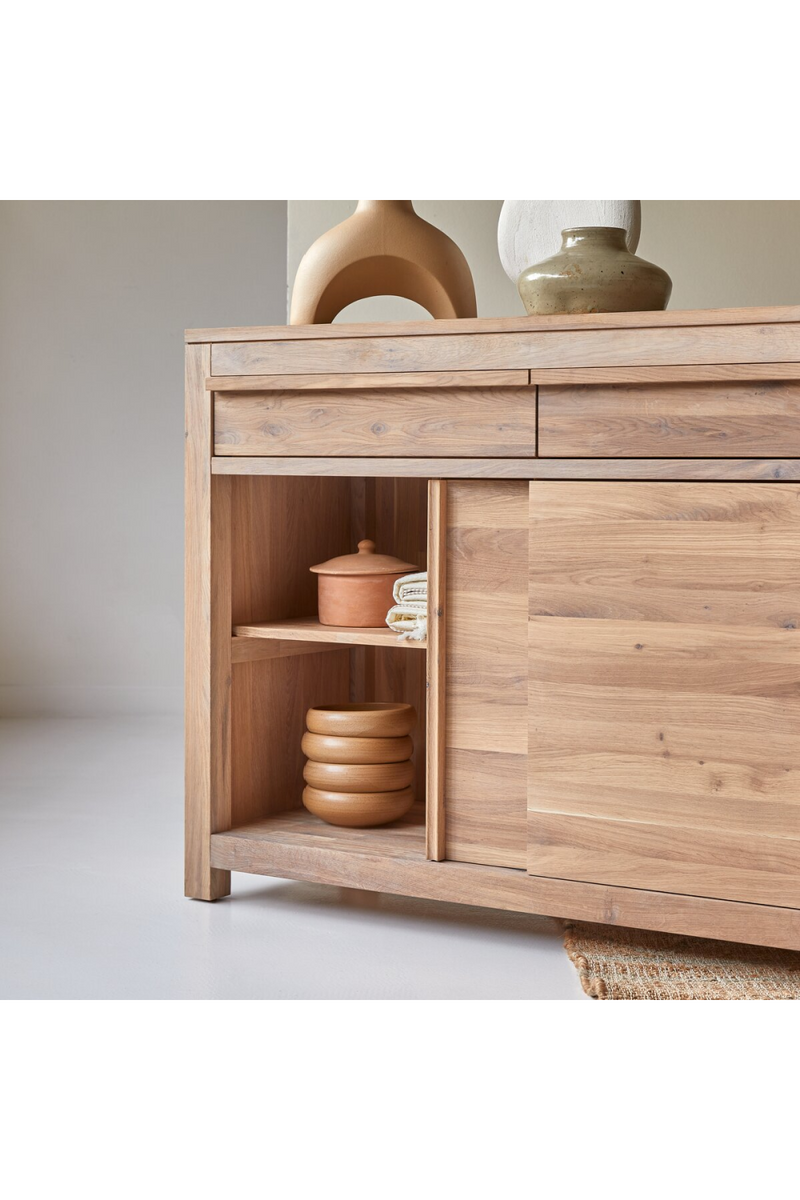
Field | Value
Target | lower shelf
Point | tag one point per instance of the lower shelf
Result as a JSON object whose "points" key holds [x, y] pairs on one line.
{"points": [[402, 839]]}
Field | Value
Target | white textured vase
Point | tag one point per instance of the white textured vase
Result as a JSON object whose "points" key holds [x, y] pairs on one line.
{"points": [[530, 230]]}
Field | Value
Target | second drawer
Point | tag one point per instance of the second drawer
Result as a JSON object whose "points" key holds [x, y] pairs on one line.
{"points": [[691, 420]]}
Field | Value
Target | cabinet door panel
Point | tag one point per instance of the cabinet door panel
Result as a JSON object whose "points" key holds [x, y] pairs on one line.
{"points": [[486, 739], [664, 694]]}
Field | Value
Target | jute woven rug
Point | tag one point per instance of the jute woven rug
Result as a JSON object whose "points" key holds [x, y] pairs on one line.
{"points": [[633, 964]]}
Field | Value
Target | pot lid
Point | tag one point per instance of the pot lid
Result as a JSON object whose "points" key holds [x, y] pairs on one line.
{"points": [[366, 562]]}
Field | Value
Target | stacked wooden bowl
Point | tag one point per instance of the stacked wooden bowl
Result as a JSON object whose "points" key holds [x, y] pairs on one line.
{"points": [[359, 768]]}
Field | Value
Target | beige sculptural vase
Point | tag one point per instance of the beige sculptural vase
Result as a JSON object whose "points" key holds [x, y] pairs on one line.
{"points": [[383, 249]]}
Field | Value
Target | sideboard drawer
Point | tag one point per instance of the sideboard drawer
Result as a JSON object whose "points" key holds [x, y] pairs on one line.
{"points": [[419, 422], [703, 420]]}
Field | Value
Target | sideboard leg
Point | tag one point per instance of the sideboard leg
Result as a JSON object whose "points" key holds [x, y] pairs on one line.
{"points": [[208, 640]]}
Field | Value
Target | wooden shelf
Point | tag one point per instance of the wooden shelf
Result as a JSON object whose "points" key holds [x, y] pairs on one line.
{"points": [[307, 629], [298, 828]]}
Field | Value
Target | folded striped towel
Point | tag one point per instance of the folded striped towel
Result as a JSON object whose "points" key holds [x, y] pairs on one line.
{"points": [[409, 614]]}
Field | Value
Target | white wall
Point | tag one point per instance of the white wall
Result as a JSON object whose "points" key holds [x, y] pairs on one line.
{"points": [[720, 253], [94, 298]]}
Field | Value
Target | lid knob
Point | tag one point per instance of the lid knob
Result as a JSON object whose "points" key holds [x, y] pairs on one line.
{"points": [[366, 547]]}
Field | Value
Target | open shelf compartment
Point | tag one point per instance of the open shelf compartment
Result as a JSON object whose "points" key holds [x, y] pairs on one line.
{"points": [[285, 662]]}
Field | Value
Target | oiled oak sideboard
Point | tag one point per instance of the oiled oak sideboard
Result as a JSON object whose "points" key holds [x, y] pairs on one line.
{"points": [[608, 508]]}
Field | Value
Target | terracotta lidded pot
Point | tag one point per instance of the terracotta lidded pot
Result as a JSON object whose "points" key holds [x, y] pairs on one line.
{"points": [[594, 272], [356, 589]]}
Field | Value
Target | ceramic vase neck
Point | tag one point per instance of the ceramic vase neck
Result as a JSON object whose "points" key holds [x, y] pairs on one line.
{"points": [[587, 236], [384, 206]]}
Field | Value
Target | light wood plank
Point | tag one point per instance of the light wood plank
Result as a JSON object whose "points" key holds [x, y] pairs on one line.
{"points": [[404, 838], [665, 687], [486, 683], [360, 382], [513, 468], [435, 675], [721, 865], [308, 629], [394, 862], [604, 347], [739, 419], [666, 373], [207, 632], [463, 421], [430, 328]]}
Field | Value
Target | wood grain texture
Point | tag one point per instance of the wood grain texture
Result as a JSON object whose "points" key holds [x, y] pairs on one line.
{"points": [[436, 665], [420, 421], [330, 748], [359, 777], [666, 373], [405, 839], [362, 381], [742, 419], [308, 629], [741, 866], [207, 632], [298, 846], [269, 702], [427, 328], [665, 687], [513, 468], [603, 347], [486, 679], [249, 649]]}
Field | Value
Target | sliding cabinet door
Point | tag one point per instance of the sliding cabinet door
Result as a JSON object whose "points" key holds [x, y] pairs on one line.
{"points": [[486, 678], [664, 699]]}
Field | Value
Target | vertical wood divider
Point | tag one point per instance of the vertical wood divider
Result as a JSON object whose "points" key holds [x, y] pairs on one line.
{"points": [[208, 639], [435, 669]]}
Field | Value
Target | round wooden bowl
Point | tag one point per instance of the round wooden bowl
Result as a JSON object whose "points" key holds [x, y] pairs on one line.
{"points": [[320, 747], [374, 720], [358, 809], [359, 777]]}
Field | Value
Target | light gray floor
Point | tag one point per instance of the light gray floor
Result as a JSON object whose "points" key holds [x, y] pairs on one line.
{"points": [[90, 883]]}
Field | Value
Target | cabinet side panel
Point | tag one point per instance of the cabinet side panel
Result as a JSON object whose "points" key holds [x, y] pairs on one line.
{"points": [[665, 687], [207, 634], [486, 735]]}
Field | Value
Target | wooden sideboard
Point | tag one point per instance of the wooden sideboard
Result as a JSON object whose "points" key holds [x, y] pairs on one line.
{"points": [[609, 511]]}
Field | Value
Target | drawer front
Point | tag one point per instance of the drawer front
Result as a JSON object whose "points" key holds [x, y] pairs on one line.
{"points": [[704, 420], [456, 422]]}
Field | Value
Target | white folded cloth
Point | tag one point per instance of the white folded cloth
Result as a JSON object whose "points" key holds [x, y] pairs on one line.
{"points": [[409, 614]]}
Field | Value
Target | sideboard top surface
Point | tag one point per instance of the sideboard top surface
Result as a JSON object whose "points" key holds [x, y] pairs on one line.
{"points": [[777, 315]]}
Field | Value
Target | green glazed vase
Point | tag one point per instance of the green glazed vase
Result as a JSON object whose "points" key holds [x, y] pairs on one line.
{"points": [[594, 272]]}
